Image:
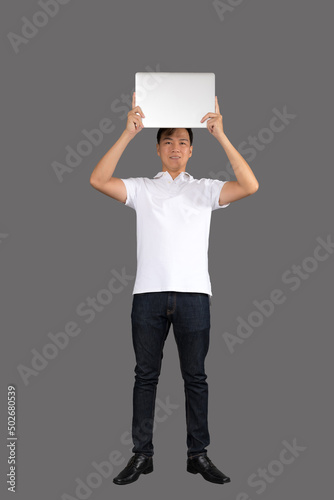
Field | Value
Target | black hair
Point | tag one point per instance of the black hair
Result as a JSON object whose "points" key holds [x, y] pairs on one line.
{"points": [[170, 131]]}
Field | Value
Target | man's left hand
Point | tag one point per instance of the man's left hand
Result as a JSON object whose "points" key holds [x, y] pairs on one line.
{"points": [[215, 124]]}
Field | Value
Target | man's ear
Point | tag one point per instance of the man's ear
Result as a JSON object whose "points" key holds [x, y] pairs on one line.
{"points": [[158, 149], [191, 151]]}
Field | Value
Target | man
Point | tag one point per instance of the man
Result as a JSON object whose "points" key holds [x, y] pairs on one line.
{"points": [[172, 281]]}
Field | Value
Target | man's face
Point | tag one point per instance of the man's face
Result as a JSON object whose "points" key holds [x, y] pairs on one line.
{"points": [[175, 150]]}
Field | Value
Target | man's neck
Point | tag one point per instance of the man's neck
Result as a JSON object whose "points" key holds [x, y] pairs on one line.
{"points": [[173, 174]]}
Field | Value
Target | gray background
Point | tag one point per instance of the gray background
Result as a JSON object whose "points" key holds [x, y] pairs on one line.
{"points": [[61, 240]]}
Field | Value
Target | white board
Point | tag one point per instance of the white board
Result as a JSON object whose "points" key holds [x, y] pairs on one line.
{"points": [[175, 100]]}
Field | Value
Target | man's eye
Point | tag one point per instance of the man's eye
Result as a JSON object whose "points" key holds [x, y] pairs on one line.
{"points": [[168, 142]]}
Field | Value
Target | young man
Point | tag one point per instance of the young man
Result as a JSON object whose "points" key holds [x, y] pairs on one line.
{"points": [[172, 281]]}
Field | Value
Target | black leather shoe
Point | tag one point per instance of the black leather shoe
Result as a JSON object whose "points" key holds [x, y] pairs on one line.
{"points": [[203, 465], [138, 464]]}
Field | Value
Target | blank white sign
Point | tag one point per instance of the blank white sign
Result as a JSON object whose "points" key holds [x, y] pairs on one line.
{"points": [[175, 100]]}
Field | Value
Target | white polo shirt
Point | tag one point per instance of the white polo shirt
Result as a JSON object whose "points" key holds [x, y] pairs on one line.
{"points": [[173, 225]]}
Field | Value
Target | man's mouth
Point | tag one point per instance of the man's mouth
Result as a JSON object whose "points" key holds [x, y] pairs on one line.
{"points": [[174, 157]]}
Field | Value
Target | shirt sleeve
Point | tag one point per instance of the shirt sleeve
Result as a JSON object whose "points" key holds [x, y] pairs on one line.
{"points": [[216, 187], [131, 185]]}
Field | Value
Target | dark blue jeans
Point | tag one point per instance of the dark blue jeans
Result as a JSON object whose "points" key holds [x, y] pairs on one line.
{"points": [[151, 316]]}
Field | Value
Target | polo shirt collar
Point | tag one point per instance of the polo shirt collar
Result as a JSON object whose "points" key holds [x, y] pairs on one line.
{"points": [[166, 173]]}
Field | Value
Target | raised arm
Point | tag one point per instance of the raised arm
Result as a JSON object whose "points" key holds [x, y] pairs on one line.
{"points": [[246, 183], [102, 176]]}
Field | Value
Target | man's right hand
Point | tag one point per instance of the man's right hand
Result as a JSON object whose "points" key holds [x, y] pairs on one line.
{"points": [[134, 123]]}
